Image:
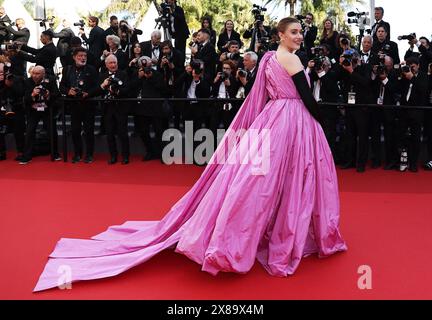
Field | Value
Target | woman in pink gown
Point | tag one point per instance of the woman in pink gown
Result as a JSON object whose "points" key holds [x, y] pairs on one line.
{"points": [[237, 212]]}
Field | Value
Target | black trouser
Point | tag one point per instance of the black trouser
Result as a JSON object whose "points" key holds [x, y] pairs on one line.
{"points": [[357, 127], [330, 117], [387, 119], [49, 124], [411, 121], [17, 122], [83, 117], [180, 44], [152, 145], [116, 118]]}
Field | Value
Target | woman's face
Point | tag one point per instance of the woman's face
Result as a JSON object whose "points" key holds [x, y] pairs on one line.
{"points": [[292, 37], [229, 25], [137, 49], [328, 25], [206, 24]]}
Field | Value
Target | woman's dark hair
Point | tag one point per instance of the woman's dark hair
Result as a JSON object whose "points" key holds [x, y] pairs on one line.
{"points": [[209, 19], [166, 43]]}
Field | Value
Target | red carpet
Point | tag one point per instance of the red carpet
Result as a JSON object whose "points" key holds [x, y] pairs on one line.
{"points": [[386, 221]]}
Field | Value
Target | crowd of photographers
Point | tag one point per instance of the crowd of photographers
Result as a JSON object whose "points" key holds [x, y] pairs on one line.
{"points": [[113, 65]]}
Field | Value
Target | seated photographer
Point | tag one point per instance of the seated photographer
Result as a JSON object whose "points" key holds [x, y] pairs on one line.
{"points": [[382, 46], [45, 56], [247, 76], [40, 96], [113, 86], [355, 85], [424, 52], [255, 33], [385, 89], [63, 44], [149, 84], [206, 53], [79, 82], [11, 109], [225, 85], [232, 54], [228, 34], [170, 65], [206, 23], [325, 89], [152, 48], [114, 49], [414, 88], [193, 84]]}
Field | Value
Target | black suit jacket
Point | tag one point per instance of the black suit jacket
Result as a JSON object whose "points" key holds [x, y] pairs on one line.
{"points": [[180, 24], [309, 39], [45, 56], [329, 90], [251, 34], [250, 80], [380, 24], [153, 87], [393, 52], [390, 90], [425, 57], [208, 55], [22, 35], [183, 83], [146, 49], [96, 41], [419, 92], [232, 89], [51, 86], [4, 21], [88, 75], [223, 39]]}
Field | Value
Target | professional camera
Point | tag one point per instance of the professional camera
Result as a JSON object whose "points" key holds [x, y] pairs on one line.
{"points": [[257, 12], [318, 57], [264, 43], [80, 24], [168, 57], [143, 65], [10, 46], [42, 90], [197, 66], [349, 58], [233, 55], [405, 69], [381, 68], [242, 73], [165, 8], [79, 88], [408, 37], [223, 76], [115, 83], [50, 21], [7, 108], [361, 19]]}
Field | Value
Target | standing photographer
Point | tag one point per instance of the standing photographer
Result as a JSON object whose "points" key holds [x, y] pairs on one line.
{"points": [[79, 82], [382, 46], [11, 109], [96, 39], [232, 54], [113, 43], [247, 76], [4, 22], [63, 44], [258, 35], [205, 52], [22, 34], [40, 95], [310, 33], [114, 86], [128, 36], [424, 52], [152, 48], [178, 27], [170, 65]]}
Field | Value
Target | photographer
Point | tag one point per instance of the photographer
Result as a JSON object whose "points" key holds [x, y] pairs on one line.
{"points": [[428, 123], [385, 89], [113, 43], [414, 88], [205, 52], [424, 54], [149, 114], [152, 48], [40, 96], [325, 89], [113, 29], [310, 33], [96, 39], [76, 43], [128, 35], [379, 14], [45, 56], [227, 35], [193, 84], [224, 85], [178, 26], [170, 65], [258, 34], [233, 54], [63, 44], [247, 76], [382, 46], [22, 34], [79, 82], [114, 86], [4, 22], [355, 85], [11, 109]]}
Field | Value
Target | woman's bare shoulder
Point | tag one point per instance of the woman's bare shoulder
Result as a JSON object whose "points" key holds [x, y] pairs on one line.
{"points": [[290, 61]]}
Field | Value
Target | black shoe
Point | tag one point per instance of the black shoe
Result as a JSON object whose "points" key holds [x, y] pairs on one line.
{"points": [[24, 160], [391, 166], [18, 157], [125, 160], [361, 169], [2, 156], [149, 156], [88, 159], [413, 168], [347, 165], [56, 157], [376, 164], [428, 166], [76, 159], [113, 160]]}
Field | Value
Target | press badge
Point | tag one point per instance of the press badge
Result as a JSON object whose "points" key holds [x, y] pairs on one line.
{"points": [[380, 101], [40, 109], [351, 97]]}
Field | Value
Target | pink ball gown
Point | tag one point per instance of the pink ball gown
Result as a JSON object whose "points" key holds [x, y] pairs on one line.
{"points": [[233, 216]]}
